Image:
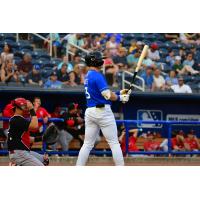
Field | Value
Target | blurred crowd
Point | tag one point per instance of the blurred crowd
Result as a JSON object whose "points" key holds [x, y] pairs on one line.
{"points": [[166, 66]]}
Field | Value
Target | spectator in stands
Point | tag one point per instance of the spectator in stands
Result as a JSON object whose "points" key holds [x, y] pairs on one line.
{"points": [[177, 64], [9, 72], [133, 59], [118, 37], [7, 53], [148, 62], [182, 53], [112, 45], [74, 39], [65, 61], [188, 64], [133, 47], [153, 52], [53, 82], [174, 37], [148, 77], [178, 141], [120, 59], [41, 112], [77, 59], [181, 87], [133, 135], [103, 38], [150, 144], [139, 45], [159, 81], [171, 79], [110, 69], [96, 43], [187, 38], [87, 38], [63, 75], [74, 123], [25, 66], [192, 142], [75, 76], [56, 42], [186, 67], [170, 59], [34, 77]]}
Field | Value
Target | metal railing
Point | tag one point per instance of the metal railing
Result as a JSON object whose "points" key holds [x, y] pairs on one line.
{"points": [[50, 41], [124, 81], [127, 124], [68, 51]]}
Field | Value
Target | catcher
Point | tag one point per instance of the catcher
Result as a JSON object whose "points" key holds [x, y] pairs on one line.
{"points": [[19, 136]]}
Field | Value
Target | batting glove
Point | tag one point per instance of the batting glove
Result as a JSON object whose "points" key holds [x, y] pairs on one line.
{"points": [[124, 98], [124, 91]]}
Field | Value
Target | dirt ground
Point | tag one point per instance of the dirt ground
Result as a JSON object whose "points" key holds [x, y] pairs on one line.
{"points": [[129, 161]]}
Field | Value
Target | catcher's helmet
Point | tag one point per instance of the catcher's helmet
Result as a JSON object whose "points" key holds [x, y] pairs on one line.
{"points": [[94, 59], [20, 103]]}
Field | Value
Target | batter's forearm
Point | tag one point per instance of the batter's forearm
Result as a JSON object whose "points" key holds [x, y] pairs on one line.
{"points": [[114, 97]]}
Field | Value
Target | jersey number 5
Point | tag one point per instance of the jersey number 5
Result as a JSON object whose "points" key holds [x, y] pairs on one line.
{"points": [[87, 93]]}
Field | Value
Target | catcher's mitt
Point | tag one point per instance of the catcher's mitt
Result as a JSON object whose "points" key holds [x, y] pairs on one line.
{"points": [[50, 135]]}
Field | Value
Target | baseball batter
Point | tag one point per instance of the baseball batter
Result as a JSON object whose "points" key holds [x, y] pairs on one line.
{"points": [[98, 114], [19, 136]]}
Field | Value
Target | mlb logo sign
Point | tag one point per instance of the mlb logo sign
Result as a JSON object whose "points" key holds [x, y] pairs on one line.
{"points": [[149, 115]]}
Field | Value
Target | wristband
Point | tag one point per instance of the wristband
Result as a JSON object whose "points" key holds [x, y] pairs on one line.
{"points": [[32, 112]]}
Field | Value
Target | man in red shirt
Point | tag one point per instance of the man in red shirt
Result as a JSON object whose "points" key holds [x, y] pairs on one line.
{"points": [[192, 142], [132, 140], [178, 142], [150, 144], [36, 135]]}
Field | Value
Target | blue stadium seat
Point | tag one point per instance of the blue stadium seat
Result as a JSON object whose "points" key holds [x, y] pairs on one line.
{"points": [[10, 38], [25, 46], [126, 43], [23, 51], [45, 56], [46, 72], [56, 61], [147, 42]]}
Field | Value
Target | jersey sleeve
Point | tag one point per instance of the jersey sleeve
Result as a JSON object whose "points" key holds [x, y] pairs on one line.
{"points": [[101, 83], [20, 123]]}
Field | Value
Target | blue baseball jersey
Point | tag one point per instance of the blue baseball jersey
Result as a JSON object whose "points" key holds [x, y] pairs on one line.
{"points": [[94, 84]]}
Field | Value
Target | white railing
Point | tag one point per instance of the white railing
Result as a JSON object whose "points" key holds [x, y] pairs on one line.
{"points": [[72, 53], [41, 37], [124, 81]]}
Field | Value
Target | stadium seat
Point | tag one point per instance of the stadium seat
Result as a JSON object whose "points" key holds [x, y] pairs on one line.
{"points": [[31, 86], [24, 51], [13, 84], [3, 84], [26, 47], [46, 72]]}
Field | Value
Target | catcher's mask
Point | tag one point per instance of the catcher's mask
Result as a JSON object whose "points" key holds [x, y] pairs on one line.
{"points": [[94, 59], [20, 103]]}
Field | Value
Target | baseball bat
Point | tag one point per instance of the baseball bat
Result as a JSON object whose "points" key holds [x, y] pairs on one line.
{"points": [[143, 54]]}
